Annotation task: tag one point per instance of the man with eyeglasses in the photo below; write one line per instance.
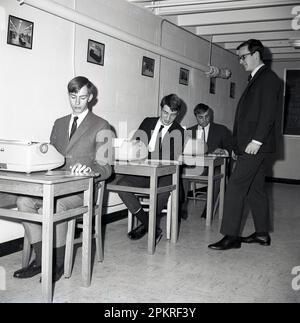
(82, 137)
(254, 142)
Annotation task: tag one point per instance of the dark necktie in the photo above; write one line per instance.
(159, 136)
(74, 127)
(203, 134)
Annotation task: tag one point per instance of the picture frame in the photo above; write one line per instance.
(232, 90)
(212, 85)
(95, 52)
(148, 66)
(184, 75)
(20, 32)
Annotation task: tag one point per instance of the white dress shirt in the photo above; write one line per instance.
(152, 143)
(200, 132)
(81, 117)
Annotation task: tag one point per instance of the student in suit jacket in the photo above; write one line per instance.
(217, 137)
(254, 141)
(164, 138)
(81, 137)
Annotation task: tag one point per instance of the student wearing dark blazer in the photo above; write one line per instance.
(164, 138)
(254, 142)
(217, 137)
(80, 137)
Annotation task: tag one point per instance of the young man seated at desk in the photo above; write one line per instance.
(218, 139)
(165, 140)
(77, 136)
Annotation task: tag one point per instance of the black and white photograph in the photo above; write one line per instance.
(149, 154)
(20, 32)
(184, 75)
(148, 66)
(95, 52)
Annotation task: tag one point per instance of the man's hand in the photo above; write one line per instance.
(221, 152)
(252, 148)
(79, 169)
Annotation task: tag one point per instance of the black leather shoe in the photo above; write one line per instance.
(264, 240)
(158, 235)
(226, 243)
(28, 272)
(137, 233)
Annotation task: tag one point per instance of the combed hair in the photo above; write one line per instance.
(201, 108)
(254, 45)
(78, 83)
(172, 101)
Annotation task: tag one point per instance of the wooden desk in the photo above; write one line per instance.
(210, 161)
(154, 169)
(49, 187)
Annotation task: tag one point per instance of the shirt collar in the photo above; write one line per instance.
(165, 127)
(80, 116)
(256, 69)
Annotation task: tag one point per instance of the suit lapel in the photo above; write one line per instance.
(254, 78)
(83, 127)
(210, 137)
(64, 135)
(250, 84)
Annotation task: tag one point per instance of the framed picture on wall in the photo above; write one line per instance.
(232, 90)
(148, 66)
(212, 85)
(184, 76)
(19, 32)
(95, 52)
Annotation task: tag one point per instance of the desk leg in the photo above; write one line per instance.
(222, 188)
(209, 202)
(47, 242)
(87, 235)
(175, 197)
(152, 212)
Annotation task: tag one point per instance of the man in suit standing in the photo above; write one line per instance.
(218, 139)
(81, 137)
(164, 138)
(254, 141)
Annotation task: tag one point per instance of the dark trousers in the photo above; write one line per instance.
(132, 202)
(246, 182)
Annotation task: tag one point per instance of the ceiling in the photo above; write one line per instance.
(229, 22)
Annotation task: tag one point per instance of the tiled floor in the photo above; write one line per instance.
(187, 271)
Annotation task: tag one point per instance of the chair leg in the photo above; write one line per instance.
(169, 217)
(26, 251)
(130, 221)
(194, 192)
(69, 248)
(98, 225)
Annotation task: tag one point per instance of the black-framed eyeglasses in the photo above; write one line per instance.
(243, 57)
